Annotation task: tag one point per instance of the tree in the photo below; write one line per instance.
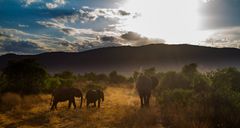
(114, 77)
(65, 75)
(190, 70)
(150, 71)
(172, 80)
(135, 75)
(227, 78)
(24, 76)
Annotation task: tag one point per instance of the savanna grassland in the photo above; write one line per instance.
(121, 109)
(182, 99)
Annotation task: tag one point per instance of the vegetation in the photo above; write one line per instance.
(188, 98)
(24, 77)
(193, 99)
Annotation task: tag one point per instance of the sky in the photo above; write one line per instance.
(37, 26)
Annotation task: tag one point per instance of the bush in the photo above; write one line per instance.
(10, 101)
(51, 84)
(228, 77)
(115, 78)
(24, 77)
(93, 86)
(226, 104)
(181, 96)
(206, 100)
(172, 80)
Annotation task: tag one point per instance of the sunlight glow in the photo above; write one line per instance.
(176, 21)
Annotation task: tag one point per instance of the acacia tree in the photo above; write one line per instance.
(24, 76)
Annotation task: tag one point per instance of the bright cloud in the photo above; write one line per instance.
(55, 4)
(29, 2)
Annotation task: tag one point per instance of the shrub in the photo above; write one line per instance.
(208, 100)
(226, 104)
(115, 78)
(228, 77)
(10, 101)
(88, 86)
(24, 77)
(173, 80)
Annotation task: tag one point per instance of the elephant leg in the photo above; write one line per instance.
(145, 100)
(74, 104)
(148, 99)
(56, 105)
(53, 106)
(94, 103)
(87, 104)
(99, 103)
(141, 99)
(69, 104)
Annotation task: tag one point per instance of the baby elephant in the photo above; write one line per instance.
(94, 95)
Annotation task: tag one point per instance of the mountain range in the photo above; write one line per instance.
(126, 59)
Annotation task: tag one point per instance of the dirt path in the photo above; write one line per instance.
(119, 110)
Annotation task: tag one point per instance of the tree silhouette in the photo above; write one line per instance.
(24, 76)
(114, 77)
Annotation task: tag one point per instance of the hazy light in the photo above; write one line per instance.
(176, 21)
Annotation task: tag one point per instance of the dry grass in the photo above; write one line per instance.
(176, 115)
(119, 110)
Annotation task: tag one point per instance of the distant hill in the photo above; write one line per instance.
(127, 58)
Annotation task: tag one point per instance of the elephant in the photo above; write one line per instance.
(94, 95)
(64, 94)
(144, 85)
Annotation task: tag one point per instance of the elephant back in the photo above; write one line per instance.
(92, 94)
(64, 93)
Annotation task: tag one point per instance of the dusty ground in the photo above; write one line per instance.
(119, 110)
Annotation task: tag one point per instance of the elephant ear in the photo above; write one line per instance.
(154, 82)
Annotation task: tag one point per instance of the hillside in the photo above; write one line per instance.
(126, 58)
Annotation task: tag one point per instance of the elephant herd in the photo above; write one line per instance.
(144, 86)
(69, 94)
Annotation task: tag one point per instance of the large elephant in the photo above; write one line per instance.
(64, 94)
(94, 95)
(144, 86)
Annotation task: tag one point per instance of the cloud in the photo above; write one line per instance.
(55, 4)
(11, 40)
(20, 47)
(86, 14)
(46, 43)
(132, 36)
(51, 5)
(29, 2)
(68, 30)
(23, 26)
(228, 37)
(108, 38)
(136, 39)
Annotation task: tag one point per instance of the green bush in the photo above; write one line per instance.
(93, 86)
(226, 104)
(181, 96)
(172, 80)
(24, 77)
(115, 78)
(192, 99)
